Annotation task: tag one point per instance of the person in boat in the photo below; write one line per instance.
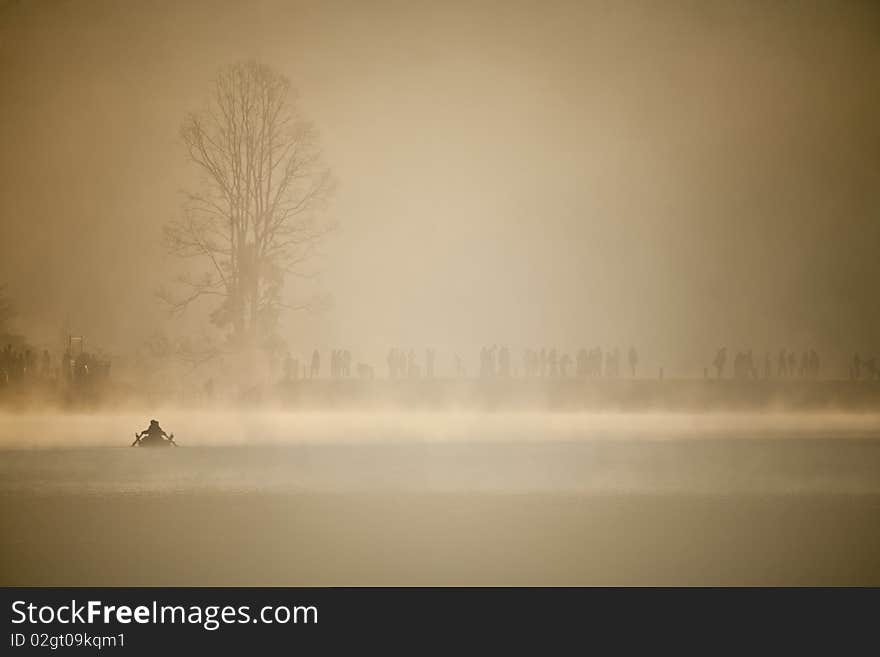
(153, 433)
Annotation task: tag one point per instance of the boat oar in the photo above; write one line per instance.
(137, 439)
(171, 440)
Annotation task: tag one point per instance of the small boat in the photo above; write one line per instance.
(146, 440)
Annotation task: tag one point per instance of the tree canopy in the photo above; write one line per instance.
(257, 217)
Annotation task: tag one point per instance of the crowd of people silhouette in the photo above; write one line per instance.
(864, 368)
(340, 363)
(496, 362)
(587, 363)
(788, 365)
(17, 365)
(402, 364)
(23, 364)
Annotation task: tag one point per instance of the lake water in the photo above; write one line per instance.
(441, 498)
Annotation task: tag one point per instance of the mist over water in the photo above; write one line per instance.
(252, 428)
(502, 452)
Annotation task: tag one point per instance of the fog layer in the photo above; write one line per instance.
(677, 175)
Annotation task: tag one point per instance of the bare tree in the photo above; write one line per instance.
(257, 217)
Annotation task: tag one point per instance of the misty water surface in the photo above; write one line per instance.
(497, 452)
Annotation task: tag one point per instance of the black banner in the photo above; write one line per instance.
(177, 620)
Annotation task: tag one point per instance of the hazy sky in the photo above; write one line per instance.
(678, 175)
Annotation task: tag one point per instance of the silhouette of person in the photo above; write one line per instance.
(504, 362)
(429, 363)
(316, 364)
(392, 363)
(564, 362)
(401, 363)
(633, 361)
(153, 433)
(720, 360)
(412, 369)
(580, 363)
